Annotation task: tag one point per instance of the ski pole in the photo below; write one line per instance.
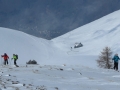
(1, 60)
(9, 61)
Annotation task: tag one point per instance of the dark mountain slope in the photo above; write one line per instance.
(51, 18)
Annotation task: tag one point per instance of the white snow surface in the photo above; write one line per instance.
(60, 67)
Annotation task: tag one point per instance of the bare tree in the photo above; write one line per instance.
(105, 59)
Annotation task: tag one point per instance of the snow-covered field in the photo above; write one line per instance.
(54, 77)
(60, 67)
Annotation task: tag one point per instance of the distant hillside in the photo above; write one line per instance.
(51, 18)
(94, 36)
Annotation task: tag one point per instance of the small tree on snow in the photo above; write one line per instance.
(105, 59)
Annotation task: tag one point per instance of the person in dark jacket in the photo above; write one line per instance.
(6, 57)
(116, 59)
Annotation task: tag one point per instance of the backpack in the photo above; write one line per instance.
(16, 56)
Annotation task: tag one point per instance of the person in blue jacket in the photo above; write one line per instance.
(116, 58)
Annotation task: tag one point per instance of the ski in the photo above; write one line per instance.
(16, 65)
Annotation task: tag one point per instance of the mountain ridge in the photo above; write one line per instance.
(49, 19)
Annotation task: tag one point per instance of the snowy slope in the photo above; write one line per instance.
(32, 48)
(60, 67)
(94, 36)
(26, 46)
(52, 77)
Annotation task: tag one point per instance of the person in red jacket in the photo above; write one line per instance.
(6, 57)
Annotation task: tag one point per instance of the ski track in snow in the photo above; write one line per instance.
(51, 77)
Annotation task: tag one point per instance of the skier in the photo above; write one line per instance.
(15, 57)
(6, 57)
(116, 58)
